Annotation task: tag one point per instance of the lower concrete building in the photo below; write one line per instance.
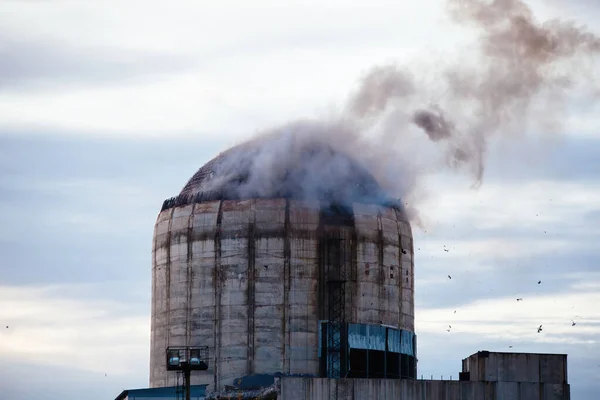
(485, 376)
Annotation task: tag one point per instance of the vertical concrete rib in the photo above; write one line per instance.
(251, 298)
(168, 287)
(190, 243)
(286, 289)
(217, 291)
(382, 306)
(354, 289)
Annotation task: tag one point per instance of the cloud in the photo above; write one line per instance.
(23, 381)
(47, 65)
(82, 210)
(505, 319)
(49, 325)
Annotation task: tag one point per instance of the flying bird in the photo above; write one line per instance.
(539, 282)
(539, 329)
(449, 277)
(573, 323)
(520, 299)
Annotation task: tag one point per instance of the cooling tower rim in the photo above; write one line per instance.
(202, 197)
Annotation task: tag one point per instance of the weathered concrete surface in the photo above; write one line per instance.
(381, 389)
(246, 278)
(516, 367)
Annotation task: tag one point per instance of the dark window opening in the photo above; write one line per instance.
(350, 362)
(324, 350)
(358, 363)
(376, 364)
(408, 367)
(337, 214)
(392, 364)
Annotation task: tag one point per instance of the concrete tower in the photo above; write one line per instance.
(303, 268)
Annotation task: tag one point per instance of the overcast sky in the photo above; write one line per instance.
(108, 107)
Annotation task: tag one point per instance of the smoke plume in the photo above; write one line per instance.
(519, 67)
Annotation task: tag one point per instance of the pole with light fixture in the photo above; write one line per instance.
(186, 360)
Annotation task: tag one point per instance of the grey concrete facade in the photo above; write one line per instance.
(246, 278)
(387, 389)
(516, 367)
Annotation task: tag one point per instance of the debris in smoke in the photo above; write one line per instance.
(434, 123)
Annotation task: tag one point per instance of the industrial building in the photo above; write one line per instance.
(297, 281)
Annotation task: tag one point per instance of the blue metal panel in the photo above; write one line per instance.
(376, 337)
(406, 343)
(366, 337)
(393, 341)
(197, 392)
(357, 336)
(333, 359)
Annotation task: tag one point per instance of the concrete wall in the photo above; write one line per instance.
(517, 367)
(245, 278)
(381, 389)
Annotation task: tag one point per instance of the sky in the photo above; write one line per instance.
(108, 107)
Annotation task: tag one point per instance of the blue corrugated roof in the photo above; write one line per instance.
(197, 392)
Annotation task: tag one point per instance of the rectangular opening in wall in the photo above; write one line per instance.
(358, 363)
(334, 259)
(393, 365)
(408, 367)
(337, 214)
(323, 349)
(376, 364)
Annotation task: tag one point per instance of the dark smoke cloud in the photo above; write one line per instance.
(434, 123)
(520, 77)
